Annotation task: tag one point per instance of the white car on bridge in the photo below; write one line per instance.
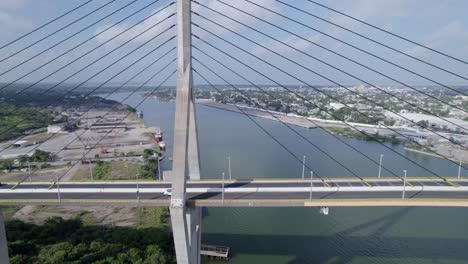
(168, 192)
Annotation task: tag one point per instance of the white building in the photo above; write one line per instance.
(20, 144)
(434, 121)
(336, 106)
(53, 129)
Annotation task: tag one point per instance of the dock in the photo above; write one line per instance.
(215, 252)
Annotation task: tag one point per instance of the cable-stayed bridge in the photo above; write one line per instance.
(195, 26)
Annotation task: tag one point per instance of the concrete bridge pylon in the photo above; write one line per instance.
(186, 221)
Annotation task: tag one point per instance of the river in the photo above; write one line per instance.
(302, 235)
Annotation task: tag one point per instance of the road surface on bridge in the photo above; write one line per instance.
(240, 192)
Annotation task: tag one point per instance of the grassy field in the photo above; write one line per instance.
(9, 211)
(152, 216)
(117, 170)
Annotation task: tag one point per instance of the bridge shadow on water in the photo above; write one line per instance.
(343, 246)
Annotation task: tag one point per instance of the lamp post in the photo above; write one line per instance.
(222, 189)
(404, 185)
(311, 179)
(159, 169)
(29, 171)
(90, 170)
(138, 188)
(459, 169)
(58, 188)
(229, 167)
(303, 166)
(380, 165)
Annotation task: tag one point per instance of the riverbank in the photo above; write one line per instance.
(464, 161)
(367, 137)
(270, 115)
(373, 133)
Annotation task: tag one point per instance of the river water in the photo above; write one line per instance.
(302, 235)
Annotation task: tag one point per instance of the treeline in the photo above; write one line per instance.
(61, 241)
(20, 96)
(149, 169)
(17, 120)
(21, 161)
(21, 113)
(364, 136)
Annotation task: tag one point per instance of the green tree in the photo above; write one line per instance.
(275, 105)
(423, 124)
(147, 153)
(23, 159)
(7, 164)
(154, 255)
(69, 241)
(40, 156)
(20, 259)
(55, 254)
(101, 169)
(149, 169)
(20, 247)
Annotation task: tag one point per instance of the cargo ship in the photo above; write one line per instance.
(158, 136)
(162, 146)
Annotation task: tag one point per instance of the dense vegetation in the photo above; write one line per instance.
(26, 111)
(150, 167)
(69, 241)
(368, 137)
(104, 169)
(149, 170)
(38, 156)
(101, 169)
(15, 120)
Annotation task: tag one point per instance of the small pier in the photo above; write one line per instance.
(215, 252)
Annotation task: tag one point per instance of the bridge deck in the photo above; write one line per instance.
(339, 192)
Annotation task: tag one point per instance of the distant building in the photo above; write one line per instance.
(20, 144)
(463, 97)
(139, 114)
(363, 107)
(53, 129)
(451, 124)
(110, 126)
(458, 114)
(336, 106)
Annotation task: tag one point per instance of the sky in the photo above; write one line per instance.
(293, 56)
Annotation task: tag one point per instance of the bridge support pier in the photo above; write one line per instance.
(186, 229)
(3, 241)
(186, 220)
(193, 216)
(193, 151)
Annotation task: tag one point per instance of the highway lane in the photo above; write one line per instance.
(244, 183)
(238, 193)
(242, 195)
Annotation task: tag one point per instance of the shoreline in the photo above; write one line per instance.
(433, 155)
(305, 122)
(291, 120)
